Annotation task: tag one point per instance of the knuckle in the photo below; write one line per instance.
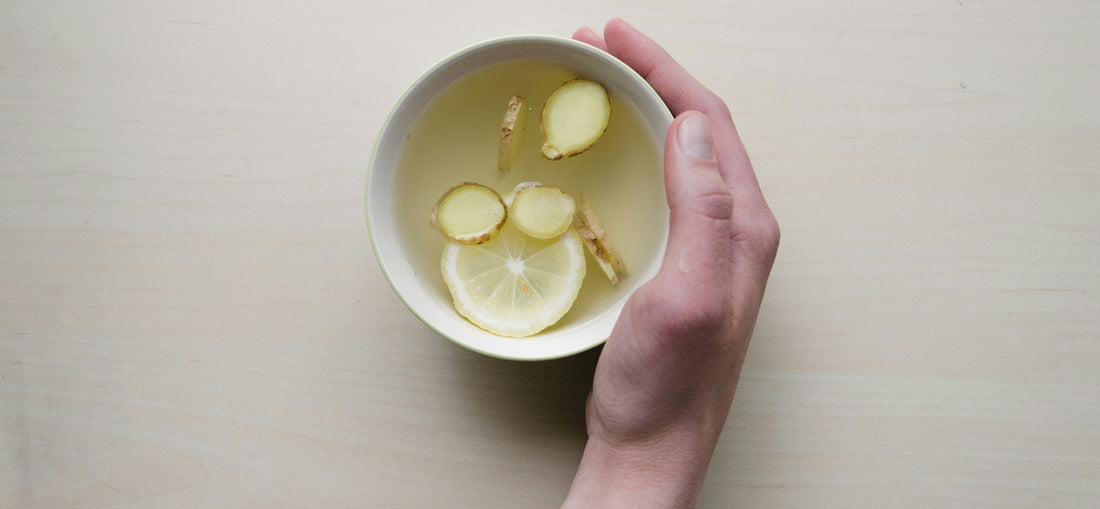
(759, 238)
(765, 235)
(712, 105)
(715, 203)
(719, 107)
(688, 316)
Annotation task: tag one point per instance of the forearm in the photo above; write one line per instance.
(665, 473)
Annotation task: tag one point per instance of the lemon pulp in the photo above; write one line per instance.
(514, 285)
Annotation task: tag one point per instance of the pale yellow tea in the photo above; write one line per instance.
(456, 139)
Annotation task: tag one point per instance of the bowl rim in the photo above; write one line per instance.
(445, 63)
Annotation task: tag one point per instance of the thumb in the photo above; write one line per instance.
(700, 203)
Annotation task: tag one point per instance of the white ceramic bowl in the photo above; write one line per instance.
(423, 297)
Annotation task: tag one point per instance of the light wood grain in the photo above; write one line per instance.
(191, 315)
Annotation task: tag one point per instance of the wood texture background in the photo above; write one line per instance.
(191, 315)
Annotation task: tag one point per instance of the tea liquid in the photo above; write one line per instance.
(456, 137)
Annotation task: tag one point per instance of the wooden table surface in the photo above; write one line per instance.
(191, 314)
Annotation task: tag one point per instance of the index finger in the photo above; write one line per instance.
(590, 37)
(682, 92)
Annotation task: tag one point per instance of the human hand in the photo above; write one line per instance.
(667, 375)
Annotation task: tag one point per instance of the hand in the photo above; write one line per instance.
(667, 375)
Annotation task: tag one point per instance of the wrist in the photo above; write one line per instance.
(665, 471)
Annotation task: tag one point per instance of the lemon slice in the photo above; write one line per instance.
(515, 285)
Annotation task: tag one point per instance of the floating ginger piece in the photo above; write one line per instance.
(595, 238)
(574, 118)
(469, 213)
(508, 198)
(542, 212)
(511, 132)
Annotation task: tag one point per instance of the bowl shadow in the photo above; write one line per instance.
(540, 403)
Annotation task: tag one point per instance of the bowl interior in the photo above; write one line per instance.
(420, 289)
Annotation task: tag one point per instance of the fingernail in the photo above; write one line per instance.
(694, 137)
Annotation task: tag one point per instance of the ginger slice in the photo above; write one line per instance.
(469, 213)
(574, 118)
(595, 238)
(508, 198)
(542, 212)
(511, 132)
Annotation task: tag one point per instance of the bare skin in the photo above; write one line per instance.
(667, 376)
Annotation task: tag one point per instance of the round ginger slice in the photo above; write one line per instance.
(469, 213)
(574, 118)
(542, 212)
(519, 187)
